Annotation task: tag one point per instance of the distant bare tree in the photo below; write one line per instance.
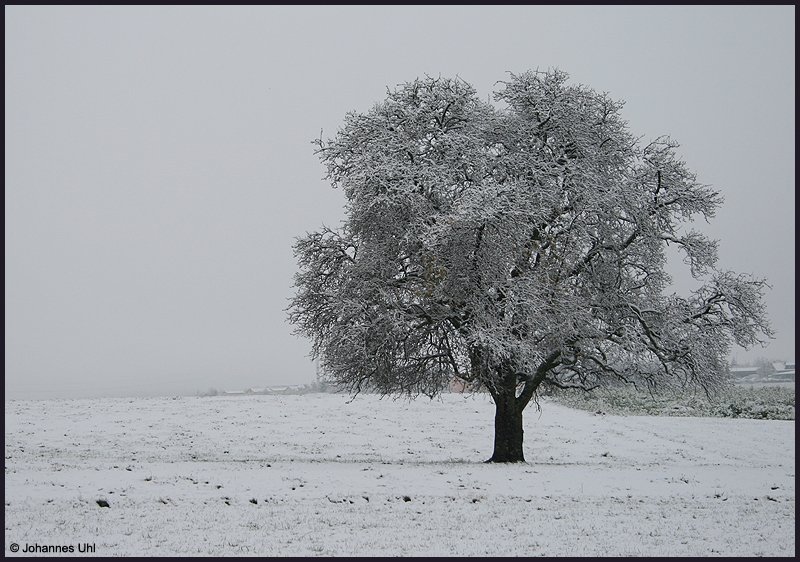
(764, 366)
(512, 248)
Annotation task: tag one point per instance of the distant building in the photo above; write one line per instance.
(782, 371)
(457, 385)
(785, 372)
(739, 372)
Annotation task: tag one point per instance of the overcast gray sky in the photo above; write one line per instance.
(159, 162)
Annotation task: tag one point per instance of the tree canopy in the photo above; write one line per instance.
(514, 246)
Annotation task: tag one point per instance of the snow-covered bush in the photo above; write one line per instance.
(771, 403)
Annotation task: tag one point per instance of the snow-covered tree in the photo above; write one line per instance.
(513, 248)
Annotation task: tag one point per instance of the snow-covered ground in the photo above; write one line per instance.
(322, 475)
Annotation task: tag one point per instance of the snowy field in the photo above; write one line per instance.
(320, 475)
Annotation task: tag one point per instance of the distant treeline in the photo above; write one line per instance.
(314, 387)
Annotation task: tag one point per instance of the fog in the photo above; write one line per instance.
(159, 162)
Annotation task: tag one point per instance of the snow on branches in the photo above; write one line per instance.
(512, 248)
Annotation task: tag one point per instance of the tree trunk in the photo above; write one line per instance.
(507, 430)
(509, 407)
